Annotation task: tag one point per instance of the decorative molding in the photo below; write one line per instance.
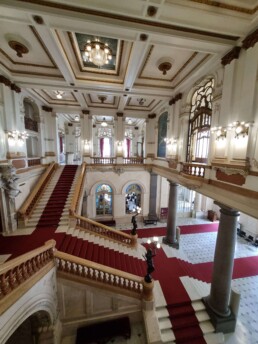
(38, 19)
(8, 83)
(143, 37)
(147, 22)
(47, 108)
(86, 112)
(229, 171)
(175, 99)
(152, 11)
(230, 56)
(18, 47)
(250, 40)
(50, 154)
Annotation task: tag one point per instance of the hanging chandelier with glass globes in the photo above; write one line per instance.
(97, 52)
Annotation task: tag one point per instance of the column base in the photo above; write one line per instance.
(171, 244)
(225, 324)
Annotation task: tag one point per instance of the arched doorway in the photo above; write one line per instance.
(31, 330)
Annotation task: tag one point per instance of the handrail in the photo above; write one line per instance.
(26, 209)
(78, 190)
(194, 169)
(89, 270)
(105, 231)
(19, 274)
(133, 160)
(104, 161)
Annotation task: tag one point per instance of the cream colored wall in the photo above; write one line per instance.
(118, 182)
(26, 183)
(81, 304)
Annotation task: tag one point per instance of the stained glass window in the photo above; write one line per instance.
(132, 198)
(162, 133)
(199, 123)
(104, 200)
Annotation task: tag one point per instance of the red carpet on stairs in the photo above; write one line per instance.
(53, 210)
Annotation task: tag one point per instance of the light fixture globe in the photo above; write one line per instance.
(97, 52)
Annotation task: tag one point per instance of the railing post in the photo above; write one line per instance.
(147, 290)
(134, 240)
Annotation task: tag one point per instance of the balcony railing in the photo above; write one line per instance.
(33, 161)
(134, 161)
(104, 161)
(193, 169)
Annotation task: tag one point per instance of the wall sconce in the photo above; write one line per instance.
(119, 145)
(86, 144)
(241, 129)
(221, 133)
(15, 136)
(168, 141)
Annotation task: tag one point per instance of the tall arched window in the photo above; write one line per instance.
(132, 198)
(200, 123)
(31, 120)
(162, 133)
(104, 200)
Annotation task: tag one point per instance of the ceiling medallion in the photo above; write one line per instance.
(102, 99)
(59, 94)
(164, 67)
(19, 48)
(141, 101)
(97, 52)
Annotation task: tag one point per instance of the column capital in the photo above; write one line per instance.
(224, 209)
(171, 182)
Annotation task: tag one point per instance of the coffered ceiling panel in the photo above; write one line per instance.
(158, 48)
(22, 51)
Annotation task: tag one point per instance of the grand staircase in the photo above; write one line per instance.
(186, 322)
(52, 210)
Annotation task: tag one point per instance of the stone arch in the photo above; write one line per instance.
(31, 109)
(108, 182)
(43, 302)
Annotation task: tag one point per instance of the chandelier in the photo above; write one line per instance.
(104, 123)
(97, 52)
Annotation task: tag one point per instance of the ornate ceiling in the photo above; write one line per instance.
(187, 36)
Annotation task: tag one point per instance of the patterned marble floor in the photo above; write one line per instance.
(199, 248)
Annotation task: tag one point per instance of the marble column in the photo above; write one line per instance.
(218, 301)
(153, 195)
(171, 237)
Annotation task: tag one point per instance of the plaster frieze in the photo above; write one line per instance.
(250, 40)
(229, 171)
(230, 56)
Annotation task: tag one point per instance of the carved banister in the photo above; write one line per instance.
(9, 265)
(27, 207)
(81, 268)
(78, 190)
(194, 169)
(105, 231)
(19, 274)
